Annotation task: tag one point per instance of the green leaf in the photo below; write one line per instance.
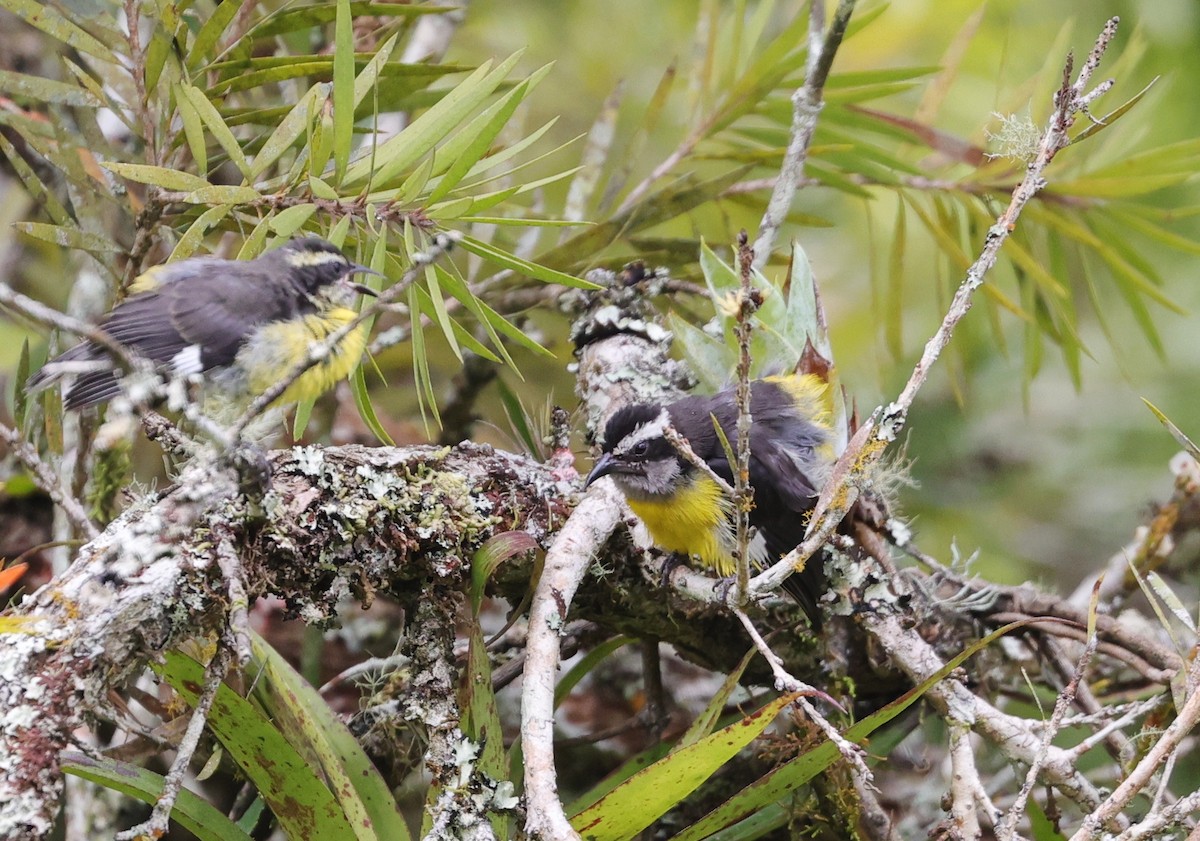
(1097, 126)
(518, 418)
(51, 20)
(511, 261)
(481, 716)
(439, 308)
(68, 237)
(424, 383)
(303, 416)
(288, 131)
(22, 86)
(420, 137)
(704, 723)
(20, 395)
(366, 411)
(305, 17)
(193, 130)
(216, 126)
(781, 782)
(303, 718)
(222, 195)
(1176, 433)
(585, 665)
(33, 184)
(167, 179)
(491, 320)
(191, 812)
(343, 88)
(190, 241)
(666, 204)
(470, 144)
(643, 798)
(487, 559)
(162, 44)
(211, 32)
(367, 79)
(287, 222)
(303, 805)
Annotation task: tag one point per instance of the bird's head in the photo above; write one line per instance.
(638, 456)
(319, 268)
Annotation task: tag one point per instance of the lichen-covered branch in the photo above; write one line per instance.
(337, 521)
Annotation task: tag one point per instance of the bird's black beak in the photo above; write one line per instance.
(362, 288)
(604, 465)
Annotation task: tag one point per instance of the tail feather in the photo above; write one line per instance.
(90, 389)
(806, 586)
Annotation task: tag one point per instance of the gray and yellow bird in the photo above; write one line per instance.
(686, 512)
(242, 326)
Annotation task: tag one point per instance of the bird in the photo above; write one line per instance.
(240, 325)
(688, 513)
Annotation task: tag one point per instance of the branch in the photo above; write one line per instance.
(886, 423)
(580, 540)
(44, 478)
(152, 578)
(807, 103)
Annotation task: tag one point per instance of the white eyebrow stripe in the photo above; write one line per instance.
(647, 431)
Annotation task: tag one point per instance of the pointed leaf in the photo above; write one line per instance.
(191, 812)
(343, 88)
(303, 805)
(644, 797)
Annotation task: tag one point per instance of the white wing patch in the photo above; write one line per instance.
(187, 361)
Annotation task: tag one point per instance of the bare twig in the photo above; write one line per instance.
(1114, 806)
(785, 682)
(807, 103)
(159, 822)
(45, 478)
(743, 493)
(137, 70)
(1008, 825)
(886, 423)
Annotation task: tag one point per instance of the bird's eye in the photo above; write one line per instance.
(640, 448)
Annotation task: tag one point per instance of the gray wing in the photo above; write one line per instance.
(217, 313)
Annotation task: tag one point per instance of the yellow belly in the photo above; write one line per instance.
(278, 348)
(694, 521)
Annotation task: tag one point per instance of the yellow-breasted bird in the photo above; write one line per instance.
(242, 325)
(687, 512)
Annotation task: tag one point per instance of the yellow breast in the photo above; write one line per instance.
(276, 349)
(693, 521)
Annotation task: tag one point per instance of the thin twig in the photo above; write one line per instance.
(785, 682)
(1008, 824)
(1141, 776)
(45, 478)
(807, 103)
(886, 423)
(137, 70)
(159, 822)
(743, 493)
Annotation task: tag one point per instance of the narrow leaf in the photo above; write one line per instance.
(343, 88)
(194, 814)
